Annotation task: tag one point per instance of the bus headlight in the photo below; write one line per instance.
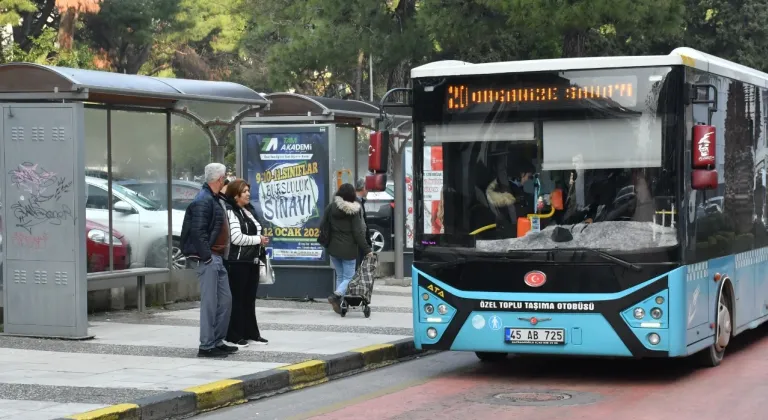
(654, 339)
(428, 308)
(431, 333)
(656, 313)
(442, 309)
(639, 313)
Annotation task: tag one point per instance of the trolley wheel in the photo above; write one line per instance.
(490, 357)
(344, 312)
(367, 311)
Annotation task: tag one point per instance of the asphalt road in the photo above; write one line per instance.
(458, 386)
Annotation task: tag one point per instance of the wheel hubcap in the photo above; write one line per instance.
(377, 239)
(179, 260)
(723, 326)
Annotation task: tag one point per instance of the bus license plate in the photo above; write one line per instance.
(534, 336)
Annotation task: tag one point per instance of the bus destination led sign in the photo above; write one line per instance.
(621, 91)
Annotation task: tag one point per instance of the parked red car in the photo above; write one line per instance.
(97, 247)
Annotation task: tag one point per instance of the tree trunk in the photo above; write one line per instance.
(32, 24)
(574, 43)
(67, 28)
(128, 59)
(359, 75)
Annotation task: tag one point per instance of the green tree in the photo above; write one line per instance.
(35, 37)
(323, 46)
(28, 18)
(44, 50)
(11, 11)
(474, 31)
(126, 30)
(730, 29)
(579, 28)
(208, 45)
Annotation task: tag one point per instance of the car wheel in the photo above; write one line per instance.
(157, 256)
(378, 241)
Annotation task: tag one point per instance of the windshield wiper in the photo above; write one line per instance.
(606, 256)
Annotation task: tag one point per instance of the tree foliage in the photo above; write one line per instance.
(125, 30)
(731, 29)
(327, 47)
(11, 11)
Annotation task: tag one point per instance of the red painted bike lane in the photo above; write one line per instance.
(597, 389)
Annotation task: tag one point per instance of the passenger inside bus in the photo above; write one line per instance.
(507, 193)
(510, 187)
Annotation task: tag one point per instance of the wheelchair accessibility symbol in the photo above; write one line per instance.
(494, 322)
(268, 251)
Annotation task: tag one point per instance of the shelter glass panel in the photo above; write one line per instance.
(139, 191)
(97, 236)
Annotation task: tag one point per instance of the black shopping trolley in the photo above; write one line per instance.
(360, 288)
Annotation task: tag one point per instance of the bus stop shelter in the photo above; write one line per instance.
(60, 236)
(295, 155)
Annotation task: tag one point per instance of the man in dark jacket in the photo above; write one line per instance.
(204, 241)
(362, 193)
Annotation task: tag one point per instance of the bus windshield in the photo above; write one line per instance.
(575, 159)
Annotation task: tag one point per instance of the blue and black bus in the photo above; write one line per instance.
(610, 206)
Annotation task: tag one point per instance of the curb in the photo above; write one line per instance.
(233, 391)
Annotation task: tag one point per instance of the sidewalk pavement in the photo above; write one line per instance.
(136, 356)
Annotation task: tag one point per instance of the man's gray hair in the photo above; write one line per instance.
(214, 171)
(360, 184)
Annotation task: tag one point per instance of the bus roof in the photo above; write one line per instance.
(679, 56)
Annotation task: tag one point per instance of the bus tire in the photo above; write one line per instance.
(713, 355)
(490, 357)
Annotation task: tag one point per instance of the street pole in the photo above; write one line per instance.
(396, 147)
(399, 177)
(370, 73)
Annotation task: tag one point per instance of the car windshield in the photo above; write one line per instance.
(548, 176)
(138, 198)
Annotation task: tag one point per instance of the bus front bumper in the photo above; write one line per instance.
(553, 324)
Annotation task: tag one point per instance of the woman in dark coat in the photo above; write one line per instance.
(345, 217)
(242, 263)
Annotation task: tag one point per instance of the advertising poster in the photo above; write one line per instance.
(433, 186)
(288, 172)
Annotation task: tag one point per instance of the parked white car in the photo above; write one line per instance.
(140, 219)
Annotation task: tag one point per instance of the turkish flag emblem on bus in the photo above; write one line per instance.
(535, 278)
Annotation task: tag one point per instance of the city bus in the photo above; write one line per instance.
(605, 206)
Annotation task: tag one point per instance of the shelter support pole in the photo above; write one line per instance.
(217, 153)
(169, 188)
(399, 174)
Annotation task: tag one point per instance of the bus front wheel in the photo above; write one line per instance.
(713, 355)
(490, 357)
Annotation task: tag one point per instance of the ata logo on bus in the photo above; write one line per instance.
(535, 278)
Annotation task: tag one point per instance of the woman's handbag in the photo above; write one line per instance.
(266, 273)
(324, 238)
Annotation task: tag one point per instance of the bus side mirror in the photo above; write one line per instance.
(376, 182)
(702, 179)
(378, 152)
